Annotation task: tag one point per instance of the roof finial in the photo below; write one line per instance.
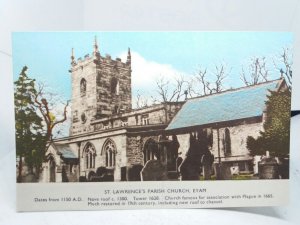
(129, 56)
(281, 73)
(96, 45)
(96, 52)
(73, 62)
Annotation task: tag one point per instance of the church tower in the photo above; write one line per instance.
(101, 87)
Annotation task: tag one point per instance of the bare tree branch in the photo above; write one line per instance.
(50, 120)
(284, 65)
(168, 91)
(141, 101)
(257, 72)
(220, 75)
(200, 77)
(208, 86)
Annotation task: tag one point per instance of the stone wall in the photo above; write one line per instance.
(134, 151)
(171, 110)
(100, 158)
(152, 115)
(238, 136)
(83, 105)
(135, 147)
(113, 83)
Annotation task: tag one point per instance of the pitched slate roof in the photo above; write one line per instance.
(229, 105)
(65, 151)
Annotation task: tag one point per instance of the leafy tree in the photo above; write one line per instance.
(35, 122)
(276, 135)
(29, 129)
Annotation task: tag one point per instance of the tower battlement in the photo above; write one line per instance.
(81, 61)
(98, 59)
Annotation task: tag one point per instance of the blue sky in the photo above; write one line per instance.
(47, 54)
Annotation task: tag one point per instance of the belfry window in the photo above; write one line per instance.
(82, 87)
(115, 86)
(110, 153)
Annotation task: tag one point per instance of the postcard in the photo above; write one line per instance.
(127, 120)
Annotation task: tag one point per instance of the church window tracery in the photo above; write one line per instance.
(110, 153)
(90, 156)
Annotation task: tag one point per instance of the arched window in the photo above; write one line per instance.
(115, 86)
(227, 142)
(109, 148)
(90, 155)
(83, 87)
(150, 150)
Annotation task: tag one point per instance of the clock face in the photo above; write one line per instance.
(83, 118)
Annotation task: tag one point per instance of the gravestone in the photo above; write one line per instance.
(134, 172)
(268, 168)
(207, 161)
(95, 179)
(107, 178)
(154, 170)
(82, 179)
(101, 171)
(91, 175)
(172, 153)
(29, 178)
(104, 178)
(283, 168)
(223, 171)
(190, 168)
(64, 174)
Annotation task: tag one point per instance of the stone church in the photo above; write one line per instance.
(110, 139)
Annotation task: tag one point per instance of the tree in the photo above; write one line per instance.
(257, 72)
(284, 65)
(29, 129)
(168, 92)
(276, 135)
(45, 108)
(35, 122)
(180, 88)
(201, 85)
(140, 101)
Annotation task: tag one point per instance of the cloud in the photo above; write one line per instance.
(145, 73)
